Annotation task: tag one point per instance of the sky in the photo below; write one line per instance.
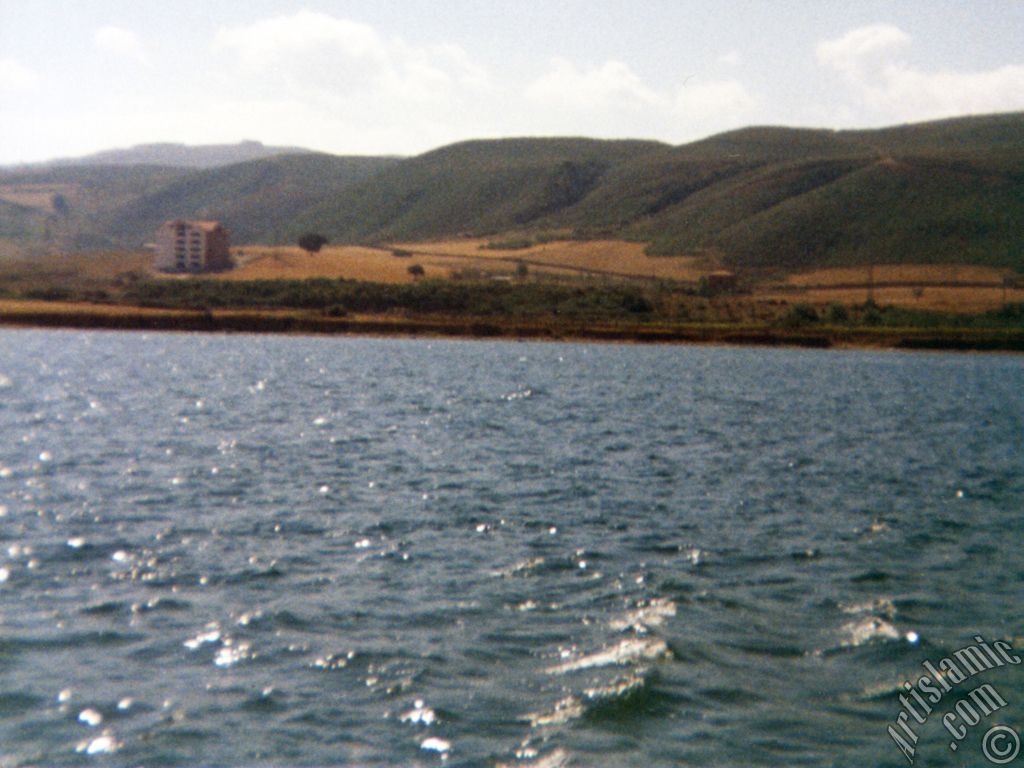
(400, 77)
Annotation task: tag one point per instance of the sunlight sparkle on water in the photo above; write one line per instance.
(90, 717)
(232, 653)
(211, 636)
(434, 744)
(419, 714)
(105, 744)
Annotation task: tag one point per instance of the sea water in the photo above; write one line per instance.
(242, 550)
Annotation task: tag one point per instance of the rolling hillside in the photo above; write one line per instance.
(258, 200)
(764, 198)
(757, 198)
(475, 187)
(950, 192)
(121, 206)
(62, 208)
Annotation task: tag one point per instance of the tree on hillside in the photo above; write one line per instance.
(416, 270)
(60, 205)
(312, 242)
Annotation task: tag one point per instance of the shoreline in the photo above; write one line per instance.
(45, 314)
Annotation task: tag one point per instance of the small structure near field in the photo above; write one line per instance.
(192, 246)
(721, 281)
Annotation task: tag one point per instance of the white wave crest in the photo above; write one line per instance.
(569, 708)
(868, 629)
(882, 606)
(559, 758)
(628, 651)
(651, 613)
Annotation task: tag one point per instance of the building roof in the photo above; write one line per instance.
(207, 226)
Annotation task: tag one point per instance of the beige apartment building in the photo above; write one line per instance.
(192, 246)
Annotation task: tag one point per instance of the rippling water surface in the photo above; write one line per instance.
(301, 551)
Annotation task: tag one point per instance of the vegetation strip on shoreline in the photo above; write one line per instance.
(109, 317)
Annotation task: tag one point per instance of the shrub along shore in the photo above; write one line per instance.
(623, 312)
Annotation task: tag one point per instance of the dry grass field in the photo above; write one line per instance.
(955, 300)
(932, 287)
(73, 269)
(16, 307)
(961, 289)
(612, 258)
(910, 274)
(945, 288)
(38, 196)
(10, 249)
(281, 262)
(452, 258)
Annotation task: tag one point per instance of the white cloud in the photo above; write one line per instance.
(859, 50)
(317, 80)
(333, 83)
(327, 58)
(120, 42)
(712, 99)
(730, 59)
(273, 41)
(909, 94)
(15, 76)
(363, 87)
(613, 85)
(612, 100)
(896, 90)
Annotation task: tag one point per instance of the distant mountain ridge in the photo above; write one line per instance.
(950, 191)
(180, 155)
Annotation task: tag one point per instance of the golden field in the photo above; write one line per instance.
(450, 258)
(598, 258)
(72, 269)
(943, 288)
(38, 196)
(10, 249)
(911, 274)
(950, 288)
(960, 300)
(282, 262)
(13, 308)
(947, 288)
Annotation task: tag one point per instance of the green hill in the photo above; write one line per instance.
(948, 191)
(20, 222)
(474, 187)
(258, 200)
(913, 209)
(759, 198)
(122, 205)
(62, 208)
